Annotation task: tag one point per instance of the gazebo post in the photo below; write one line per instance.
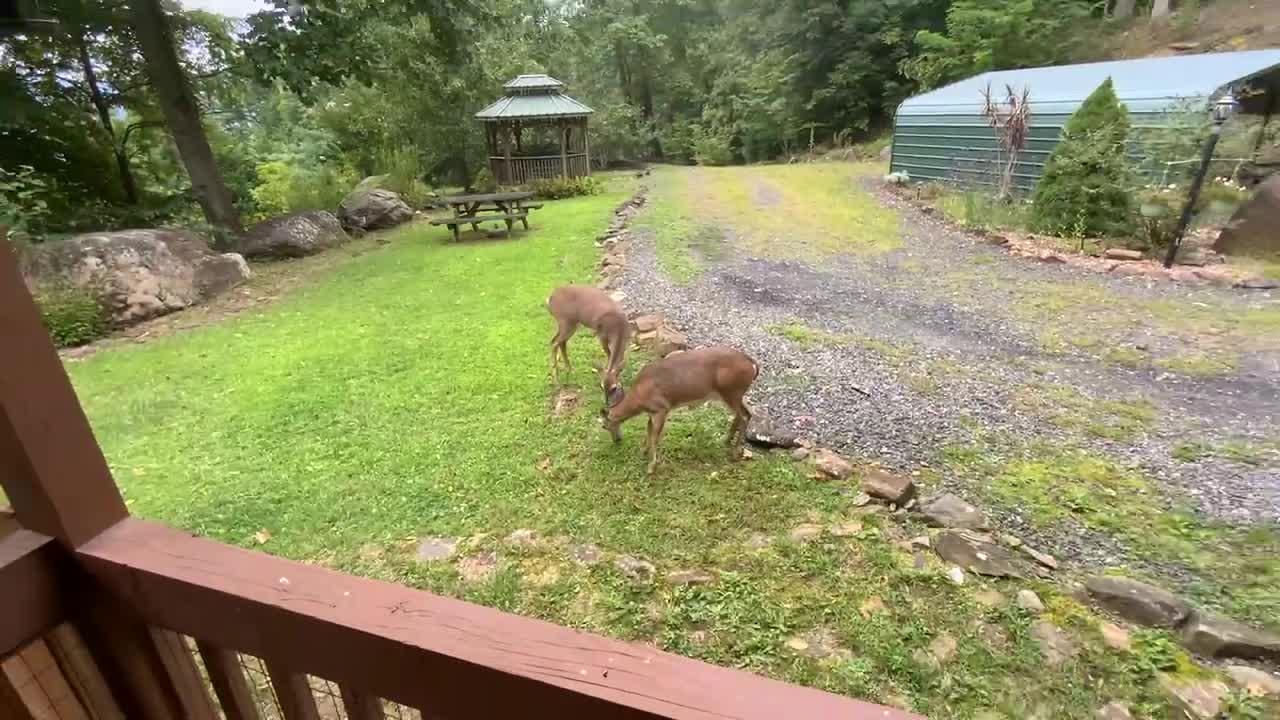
(564, 151)
(586, 145)
(506, 161)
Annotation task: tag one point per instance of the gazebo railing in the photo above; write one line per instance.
(523, 169)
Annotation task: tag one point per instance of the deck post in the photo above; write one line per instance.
(58, 482)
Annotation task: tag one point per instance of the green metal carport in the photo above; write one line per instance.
(942, 135)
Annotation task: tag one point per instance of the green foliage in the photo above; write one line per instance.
(678, 141)
(618, 134)
(560, 188)
(485, 181)
(73, 316)
(284, 188)
(712, 148)
(986, 35)
(1085, 190)
(24, 207)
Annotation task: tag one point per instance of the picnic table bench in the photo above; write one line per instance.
(476, 208)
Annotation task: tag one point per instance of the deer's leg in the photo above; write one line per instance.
(737, 428)
(656, 423)
(559, 344)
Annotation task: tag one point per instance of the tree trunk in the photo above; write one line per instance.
(127, 182)
(1160, 8)
(1123, 9)
(182, 114)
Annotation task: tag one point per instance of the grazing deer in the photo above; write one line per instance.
(574, 305)
(685, 378)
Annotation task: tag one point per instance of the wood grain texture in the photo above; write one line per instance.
(33, 588)
(455, 659)
(229, 682)
(50, 464)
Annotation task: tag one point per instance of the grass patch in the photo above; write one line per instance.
(806, 210)
(668, 219)
(1237, 570)
(978, 209)
(1242, 452)
(1120, 420)
(809, 338)
(1204, 365)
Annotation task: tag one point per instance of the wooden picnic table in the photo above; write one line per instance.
(476, 208)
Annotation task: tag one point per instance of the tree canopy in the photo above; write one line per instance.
(300, 101)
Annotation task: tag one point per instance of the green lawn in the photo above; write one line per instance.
(406, 394)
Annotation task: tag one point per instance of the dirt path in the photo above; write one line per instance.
(947, 341)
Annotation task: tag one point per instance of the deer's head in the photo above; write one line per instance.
(613, 396)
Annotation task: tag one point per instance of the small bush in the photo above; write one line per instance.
(712, 148)
(485, 181)
(560, 188)
(71, 315)
(284, 188)
(1086, 185)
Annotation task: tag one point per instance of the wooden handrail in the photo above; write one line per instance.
(448, 657)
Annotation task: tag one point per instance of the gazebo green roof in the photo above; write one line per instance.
(533, 97)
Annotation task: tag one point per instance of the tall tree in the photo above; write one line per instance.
(181, 111)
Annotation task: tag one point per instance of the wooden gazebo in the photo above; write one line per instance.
(536, 131)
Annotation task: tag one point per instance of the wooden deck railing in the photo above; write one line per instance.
(167, 620)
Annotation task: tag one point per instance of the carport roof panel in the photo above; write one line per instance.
(1143, 85)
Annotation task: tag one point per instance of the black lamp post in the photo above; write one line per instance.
(1223, 109)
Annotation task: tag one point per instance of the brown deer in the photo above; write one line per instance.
(682, 379)
(575, 305)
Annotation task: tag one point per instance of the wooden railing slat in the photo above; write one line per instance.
(229, 683)
(82, 673)
(12, 706)
(360, 705)
(50, 464)
(185, 676)
(297, 702)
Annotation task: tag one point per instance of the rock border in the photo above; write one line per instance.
(1114, 261)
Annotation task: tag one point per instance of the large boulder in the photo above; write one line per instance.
(294, 235)
(1252, 229)
(376, 209)
(138, 274)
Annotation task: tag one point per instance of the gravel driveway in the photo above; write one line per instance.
(934, 353)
